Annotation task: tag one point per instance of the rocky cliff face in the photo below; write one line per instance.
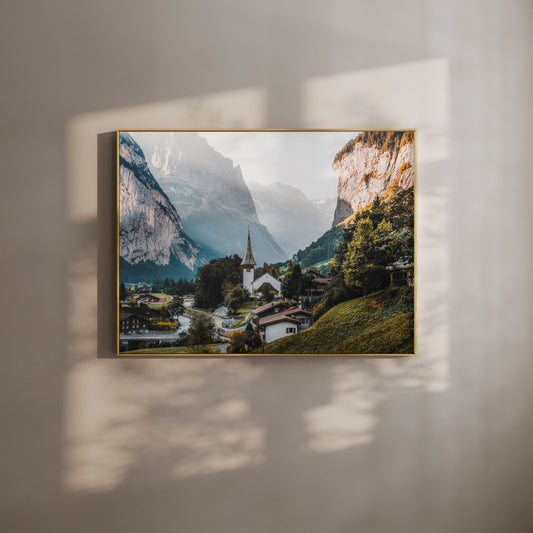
(209, 193)
(373, 164)
(152, 238)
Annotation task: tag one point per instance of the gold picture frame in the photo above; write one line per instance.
(387, 320)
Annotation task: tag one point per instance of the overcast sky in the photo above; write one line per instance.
(300, 159)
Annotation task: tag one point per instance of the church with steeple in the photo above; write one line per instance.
(248, 273)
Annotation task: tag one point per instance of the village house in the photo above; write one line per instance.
(315, 293)
(303, 316)
(271, 308)
(402, 274)
(275, 326)
(147, 314)
(144, 288)
(130, 323)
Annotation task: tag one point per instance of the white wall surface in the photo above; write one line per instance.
(274, 332)
(436, 443)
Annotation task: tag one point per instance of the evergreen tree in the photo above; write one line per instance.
(369, 251)
(157, 285)
(123, 292)
(200, 331)
(252, 339)
(236, 298)
(292, 281)
(376, 212)
(400, 210)
(176, 307)
(211, 279)
(237, 343)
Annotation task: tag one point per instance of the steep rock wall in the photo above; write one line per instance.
(371, 165)
(209, 192)
(150, 227)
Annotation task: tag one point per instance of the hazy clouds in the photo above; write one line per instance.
(300, 159)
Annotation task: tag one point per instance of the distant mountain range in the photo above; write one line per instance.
(293, 219)
(209, 193)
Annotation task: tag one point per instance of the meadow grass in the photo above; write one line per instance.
(381, 323)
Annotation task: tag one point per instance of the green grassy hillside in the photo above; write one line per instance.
(381, 323)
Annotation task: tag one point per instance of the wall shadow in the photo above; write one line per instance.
(106, 248)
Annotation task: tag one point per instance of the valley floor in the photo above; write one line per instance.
(380, 324)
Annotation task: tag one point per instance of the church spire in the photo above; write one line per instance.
(249, 260)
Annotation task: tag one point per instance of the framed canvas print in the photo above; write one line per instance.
(270, 242)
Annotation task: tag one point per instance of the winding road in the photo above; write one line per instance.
(218, 320)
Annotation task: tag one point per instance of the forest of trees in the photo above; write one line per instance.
(217, 280)
(173, 287)
(320, 250)
(377, 237)
(220, 282)
(296, 283)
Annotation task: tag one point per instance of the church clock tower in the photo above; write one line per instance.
(248, 264)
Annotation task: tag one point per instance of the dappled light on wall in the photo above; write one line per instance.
(413, 95)
(136, 421)
(121, 416)
(157, 419)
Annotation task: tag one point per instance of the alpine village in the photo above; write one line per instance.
(199, 273)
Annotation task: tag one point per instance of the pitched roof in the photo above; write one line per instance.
(267, 307)
(278, 317)
(399, 265)
(143, 312)
(249, 257)
(125, 316)
(295, 311)
(317, 274)
(267, 275)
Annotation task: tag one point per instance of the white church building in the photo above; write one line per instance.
(248, 274)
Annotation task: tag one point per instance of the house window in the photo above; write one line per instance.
(400, 277)
(291, 330)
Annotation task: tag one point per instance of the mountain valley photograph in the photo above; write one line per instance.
(266, 242)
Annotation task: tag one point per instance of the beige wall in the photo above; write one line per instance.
(439, 443)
